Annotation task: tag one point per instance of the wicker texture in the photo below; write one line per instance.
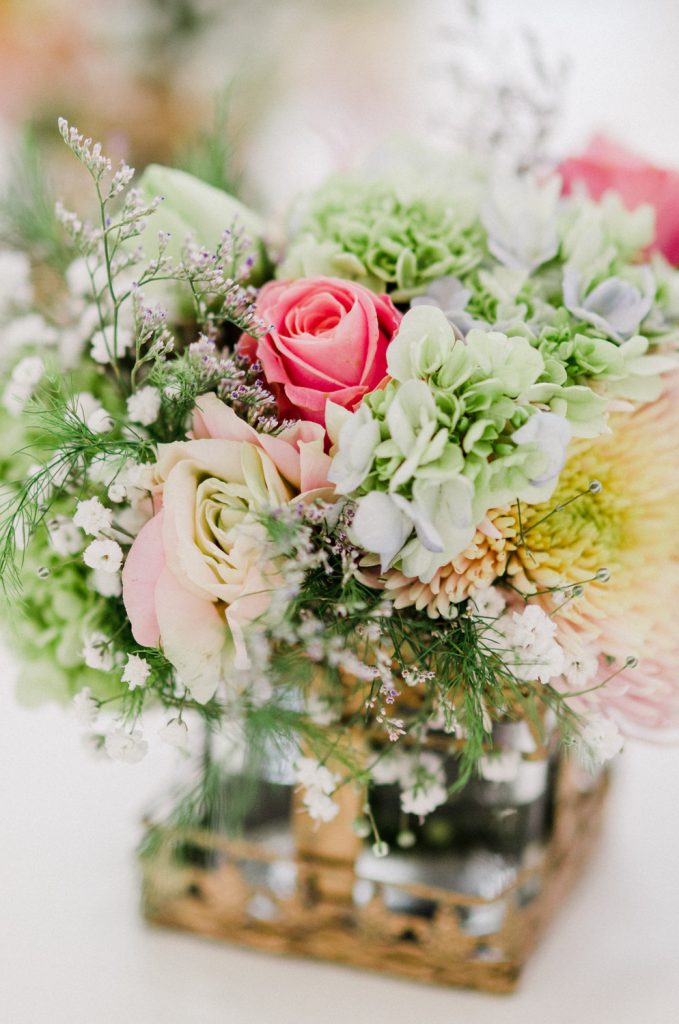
(227, 894)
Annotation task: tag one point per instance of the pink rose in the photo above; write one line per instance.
(606, 166)
(328, 339)
(198, 571)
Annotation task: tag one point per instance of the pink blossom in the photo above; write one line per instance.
(605, 166)
(328, 340)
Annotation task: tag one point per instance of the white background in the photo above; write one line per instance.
(73, 949)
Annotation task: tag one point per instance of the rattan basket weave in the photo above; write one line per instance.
(232, 890)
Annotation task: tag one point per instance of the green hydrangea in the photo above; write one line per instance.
(462, 427)
(53, 615)
(53, 618)
(367, 232)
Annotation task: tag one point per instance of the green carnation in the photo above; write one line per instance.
(366, 232)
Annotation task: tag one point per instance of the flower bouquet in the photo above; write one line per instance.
(375, 521)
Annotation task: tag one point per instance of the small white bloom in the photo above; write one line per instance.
(423, 799)
(580, 668)
(79, 280)
(97, 652)
(92, 413)
(26, 376)
(395, 766)
(500, 767)
(380, 526)
(531, 627)
(105, 347)
(64, 536)
(310, 774)
(175, 733)
(533, 651)
(16, 290)
(423, 784)
(92, 517)
(107, 584)
(106, 555)
(104, 469)
(318, 782)
(125, 745)
(319, 806)
(15, 397)
(136, 478)
(100, 421)
(117, 493)
(144, 405)
(488, 603)
(598, 742)
(136, 671)
(29, 371)
(27, 330)
(85, 707)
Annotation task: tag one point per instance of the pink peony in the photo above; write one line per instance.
(328, 339)
(606, 166)
(198, 570)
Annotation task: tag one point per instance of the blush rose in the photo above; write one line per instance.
(328, 340)
(198, 572)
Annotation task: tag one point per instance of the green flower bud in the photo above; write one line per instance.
(193, 208)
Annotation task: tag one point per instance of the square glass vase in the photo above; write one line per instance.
(462, 898)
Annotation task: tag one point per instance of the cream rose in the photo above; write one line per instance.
(197, 571)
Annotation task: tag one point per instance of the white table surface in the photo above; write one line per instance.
(74, 950)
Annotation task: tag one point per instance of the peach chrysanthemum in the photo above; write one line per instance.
(474, 569)
(631, 529)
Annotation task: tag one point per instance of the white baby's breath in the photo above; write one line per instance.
(26, 376)
(175, 733)
(107, 584)
(136, 671)
(64, 536)
(599, 740)
(92, 517)
(85, 708)
(128, 746)
(117, 493)
(107, 346)
(106, 555)
(144, 405)
(16, 290)
(97, 653)
(318, 783)
(502, 766)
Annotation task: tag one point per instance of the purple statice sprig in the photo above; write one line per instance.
(218, 282)
(204, 368)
